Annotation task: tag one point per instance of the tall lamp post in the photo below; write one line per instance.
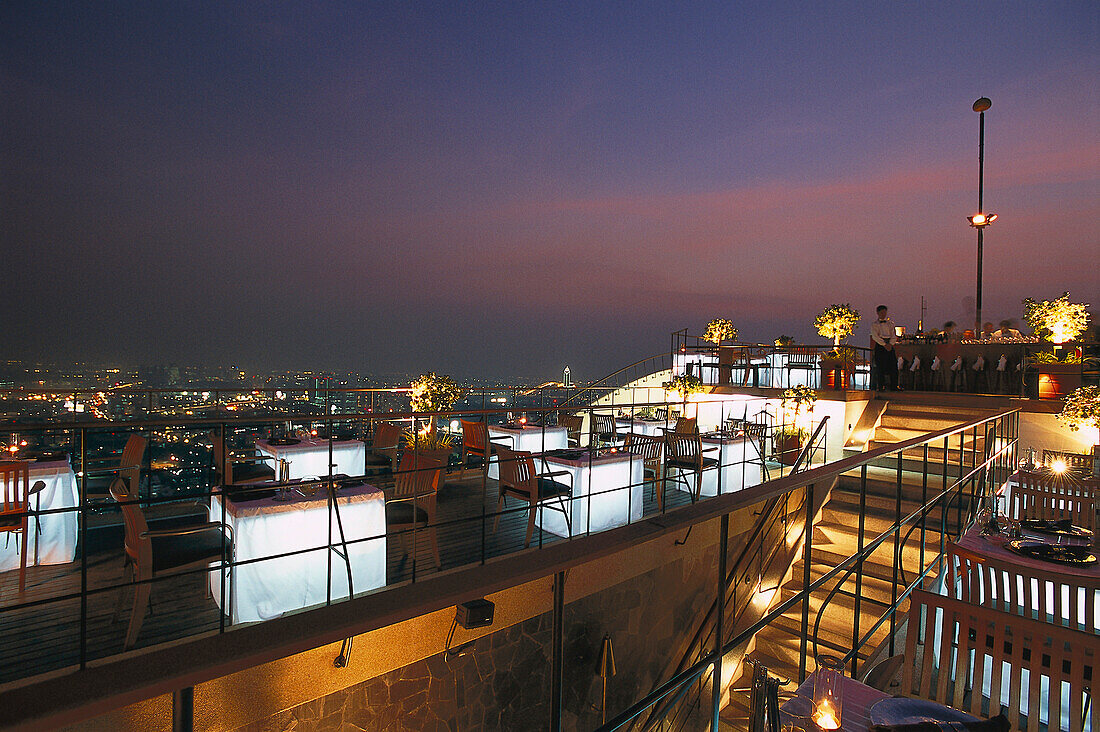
(981, 219)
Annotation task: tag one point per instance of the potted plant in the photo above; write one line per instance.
(784, 341)
(1057, 321)
(837, 367)
(718, 330)
(682, 386)
(433, 444)
(837, 322)
(797, 405)
(431, 393)
(1082, 409)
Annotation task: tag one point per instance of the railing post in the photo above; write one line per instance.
(859, 562)
(183, 709)
(897, 552)
(556, 652)
(716, 675)
(83, 547)
(807, 558)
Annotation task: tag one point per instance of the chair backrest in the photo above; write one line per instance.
(603, 424)
(475, 436)
(661, 414)
(685, 447)
(1056, 597)
(647, 447)
(801, 357)
(137, 548)
(220, 467)
(973, 654)
(572, 424)
(517, 470)
(1040, 496)
(686, 425)
(132, 455)
(387, 436)
(417, 476)
(14, 484)
(1080, 463)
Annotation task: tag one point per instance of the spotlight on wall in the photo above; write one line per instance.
(473, 614)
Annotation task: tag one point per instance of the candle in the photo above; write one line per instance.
(826, 718)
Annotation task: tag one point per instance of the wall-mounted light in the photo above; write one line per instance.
(473, 614)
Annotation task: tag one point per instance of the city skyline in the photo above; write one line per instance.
(420, 187)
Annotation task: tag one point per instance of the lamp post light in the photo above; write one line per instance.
(981, 219)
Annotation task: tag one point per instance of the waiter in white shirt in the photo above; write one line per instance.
(886, 361)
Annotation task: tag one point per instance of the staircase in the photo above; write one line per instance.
(836, 537)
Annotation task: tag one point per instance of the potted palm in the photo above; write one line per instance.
(1082, 409)
(1057, 321)
(431, 393)
(837, 322)
(797, 405)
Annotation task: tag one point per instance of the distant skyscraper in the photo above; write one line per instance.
(565, 378)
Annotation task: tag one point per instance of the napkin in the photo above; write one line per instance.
(996, 724)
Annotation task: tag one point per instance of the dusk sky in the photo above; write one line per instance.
(503, 189)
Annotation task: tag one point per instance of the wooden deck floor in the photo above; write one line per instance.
(46, 637)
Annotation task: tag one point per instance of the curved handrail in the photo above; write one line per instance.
(613, 374)
(807, 449)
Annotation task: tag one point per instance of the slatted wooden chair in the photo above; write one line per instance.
(1063, 598)
(974, 658)
(520, 479)
(127, 466)
(801, 358)
(1042, 496)
(411, 503)
(15, 509)
(573, 424)
(381, 455)
(156, 553)
(685, 453)
(604, 430)
(651, 450)
(475, 444)
(232, 468)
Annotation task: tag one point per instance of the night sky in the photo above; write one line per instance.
(506, 189)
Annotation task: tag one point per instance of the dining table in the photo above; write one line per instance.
(739, 465)
(607, 490)
(309, 458)
(644, 426)
(855, 711)
(526, 437)
(53, 534)
(295, 520)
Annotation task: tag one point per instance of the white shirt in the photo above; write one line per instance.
(882, 333)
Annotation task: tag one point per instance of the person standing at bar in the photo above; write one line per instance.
(884, 337)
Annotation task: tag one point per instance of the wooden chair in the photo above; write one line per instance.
(381, 455)
(685, 453)
(800, 358)
(1051, 596)
(686, 426)
(519, 479)
(1040, 496)
(156, 553)
(15, 509)
(232, 468)
(412, 505)
(128, 467)
(650, 449)
(604, 430)
(968, 648)
(475, 444)
(573, 424)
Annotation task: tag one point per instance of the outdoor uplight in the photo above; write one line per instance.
(1059, 466)
(979, 220)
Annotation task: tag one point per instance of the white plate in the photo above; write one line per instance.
(899, 710)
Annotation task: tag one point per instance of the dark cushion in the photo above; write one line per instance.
(551, 488)
(373, 458)
(401, 512)
(11, 520)
(252, 472)
(98, 485)
(691, 464)
(179, 551)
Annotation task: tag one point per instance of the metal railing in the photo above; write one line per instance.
(945, 512)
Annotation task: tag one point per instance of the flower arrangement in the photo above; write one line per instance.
(784, 340)
(843, 356)
(1056, 320)
(837, 322)
(683, 385)
(1081, 408)
(718, 330)
(433, 393)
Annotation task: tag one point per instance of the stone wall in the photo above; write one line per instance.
(502, 680)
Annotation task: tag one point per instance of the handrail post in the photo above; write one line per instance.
(897, 552)
(183, 709)
(716, 675)
(859, 562)
(557, 652)
(83, 547)
(807, 558)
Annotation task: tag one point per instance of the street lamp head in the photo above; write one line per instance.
(980, 220)
(982, 104)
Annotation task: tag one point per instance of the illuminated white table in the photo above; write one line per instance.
(607, 492)
(703, 365)
(310, 458)
(649, 427)
(267, 589)
(528, 439)
(57, 542)
(739, 467)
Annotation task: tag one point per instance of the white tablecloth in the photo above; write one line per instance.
(309, 458)
(267, 589)
(739, 467)
(607, 492)
(57, 542)
(653, 428)
(528, 439)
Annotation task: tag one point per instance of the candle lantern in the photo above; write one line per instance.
(827, 692)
